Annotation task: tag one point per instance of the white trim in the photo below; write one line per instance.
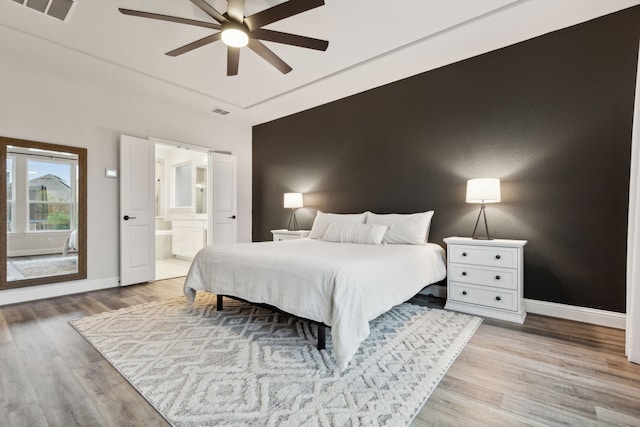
(479, 310)
(595, 316)
(34, 252)
(179, 144)
(32, 293)
(633, 235)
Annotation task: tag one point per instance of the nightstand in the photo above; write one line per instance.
(279, 235)
(486, 277)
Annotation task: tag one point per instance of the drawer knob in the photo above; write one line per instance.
(464, 254)
(464, 292)
(497, 277)
(497, 256)
(498, 298)
(464, 273)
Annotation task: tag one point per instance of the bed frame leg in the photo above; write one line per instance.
(321, 336)
(219, 306)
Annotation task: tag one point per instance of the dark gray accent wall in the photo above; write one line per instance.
(551, 117)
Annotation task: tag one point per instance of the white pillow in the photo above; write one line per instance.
(323, 220)
(370, 234)
(408, 229)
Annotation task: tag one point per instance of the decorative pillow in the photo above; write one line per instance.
(408, 229)
(370, 234)
(323, 220)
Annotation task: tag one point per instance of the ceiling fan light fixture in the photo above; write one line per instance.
(234, 36)
(237, 30)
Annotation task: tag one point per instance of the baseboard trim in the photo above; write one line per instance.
(33, 252)
(595, 316)
(32, 293)
(611, 319)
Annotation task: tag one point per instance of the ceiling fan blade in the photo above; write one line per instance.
(194, 45)
(280, 11)
(209, 10)
(269, 56)
(233, 59)
(235, 10)
(170, 18)
(290, 39)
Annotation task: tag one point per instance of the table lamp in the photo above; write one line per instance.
(293, 201)
(483, 190)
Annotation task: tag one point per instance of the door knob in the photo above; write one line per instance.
(127, 217)
(232, 217)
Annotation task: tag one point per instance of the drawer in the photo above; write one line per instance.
(281, 237)
(484, 255)
(483, 296)
(506, 278)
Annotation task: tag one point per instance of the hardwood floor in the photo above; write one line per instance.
(546, 372)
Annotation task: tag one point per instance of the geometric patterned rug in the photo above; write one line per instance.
(29, 267)
(248, 366)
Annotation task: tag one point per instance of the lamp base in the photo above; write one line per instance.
(486, 227)
(292, 218)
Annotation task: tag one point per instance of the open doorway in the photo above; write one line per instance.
(181, 208)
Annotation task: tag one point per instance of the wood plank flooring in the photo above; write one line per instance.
(546, 372)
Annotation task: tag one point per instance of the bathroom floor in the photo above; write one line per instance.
(167, 268)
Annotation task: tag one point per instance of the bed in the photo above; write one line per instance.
(71, 243)
(340, 284)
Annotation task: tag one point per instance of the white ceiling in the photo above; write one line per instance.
(371, 42)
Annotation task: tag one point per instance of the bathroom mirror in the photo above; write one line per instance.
(182, 185)
(45, 212)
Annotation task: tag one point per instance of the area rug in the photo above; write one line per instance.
(248, 366)
(39, 266)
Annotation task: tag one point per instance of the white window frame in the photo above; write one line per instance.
(12, 201)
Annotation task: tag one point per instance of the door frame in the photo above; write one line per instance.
(209, 151)
(183, 145)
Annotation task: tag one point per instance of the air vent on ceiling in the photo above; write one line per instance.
(59, 9)
(220, 111)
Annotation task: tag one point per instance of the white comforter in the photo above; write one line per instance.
(342, 285)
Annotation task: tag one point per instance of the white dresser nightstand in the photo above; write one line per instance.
(279, 235)
(486, 277)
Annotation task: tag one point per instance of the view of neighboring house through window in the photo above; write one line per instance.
(51, 194)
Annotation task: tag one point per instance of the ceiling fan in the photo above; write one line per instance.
(237, 30)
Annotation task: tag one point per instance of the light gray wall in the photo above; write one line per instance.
(48, 104)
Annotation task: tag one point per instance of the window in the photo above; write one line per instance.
(42, 190)
(11, 191)
(51, 194)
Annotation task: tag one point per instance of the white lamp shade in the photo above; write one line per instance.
(293, 200)
(483, 190)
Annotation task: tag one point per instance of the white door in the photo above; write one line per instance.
(137, 214)
(222, 181)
